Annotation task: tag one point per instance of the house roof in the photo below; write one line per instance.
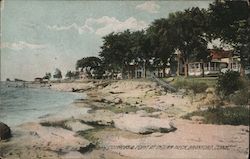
(219, 54)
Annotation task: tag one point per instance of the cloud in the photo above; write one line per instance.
(111, 24)
(149, 6)
(104, 25)
(80, 29)
(20, 45)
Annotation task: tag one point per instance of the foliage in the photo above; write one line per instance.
(57, 74)
(240, 97)
(196, 87)
(231, 115)
(69, 74)
(228, 83)
(92, 65)
(229, 21)
(47, 76)
(161, 47)
(187, 31)
(116, 50)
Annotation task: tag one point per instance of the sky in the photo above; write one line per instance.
(38, 36)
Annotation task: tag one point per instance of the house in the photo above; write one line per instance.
(38, 79)
(220, 60)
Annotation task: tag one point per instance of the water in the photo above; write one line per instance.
(19, 105)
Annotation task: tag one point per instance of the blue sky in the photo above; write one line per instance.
(38, 36)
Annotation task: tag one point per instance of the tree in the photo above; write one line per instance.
(69, 74)
(47, 76)
(57, 74)
(228, 83)
(229, 21)
(116, 51)
(187, 31)
(161, 46)
(141, 49)
(90, 64)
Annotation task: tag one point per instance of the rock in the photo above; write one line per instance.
(87, 148)
(210, 90)
(142, 113)
(77, 126)
(99, 117)
(198, 119)
(53, 138)
(143, 125)
(117, 100)
(5, 131)
(157, 134)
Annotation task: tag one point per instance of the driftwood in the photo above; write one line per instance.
(163, 83)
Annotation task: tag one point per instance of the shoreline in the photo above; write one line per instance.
(103, 131)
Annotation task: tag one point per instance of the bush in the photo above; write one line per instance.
(198, 87)
(230, 115)
(240, 97)
(228, 83)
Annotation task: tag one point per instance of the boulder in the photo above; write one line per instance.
(5, 131)
(210, 90)
(52, 138)
(97, 118)
(117, 100)
(77, 126)
(143, 125)
(198, 119)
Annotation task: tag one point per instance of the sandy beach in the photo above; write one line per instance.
(126, 119)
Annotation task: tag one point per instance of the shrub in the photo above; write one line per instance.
(230, 115)
(228, 83)
(240, 97)
(198, 87)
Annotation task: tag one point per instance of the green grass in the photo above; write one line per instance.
(197, 85)
(223, 116)
(210, 81)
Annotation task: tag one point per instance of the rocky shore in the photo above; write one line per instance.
(126, 119)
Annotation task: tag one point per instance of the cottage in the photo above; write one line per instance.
(221, 61)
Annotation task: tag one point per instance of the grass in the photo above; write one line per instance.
(210, 81)
(197, 85)
(223, 116)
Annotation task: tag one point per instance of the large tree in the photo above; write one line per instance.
(187, 31)
(47, 76)
(230, 22)
(90, 64)
(161, 46)
(69, 74)
(116, 51)
(57, 74)
(141, 49)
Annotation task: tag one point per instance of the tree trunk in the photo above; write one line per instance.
(164, 70)
(178, 67)
(202, 69)
(242, 70)
(144, 67)
(158, 72)
(186, 68)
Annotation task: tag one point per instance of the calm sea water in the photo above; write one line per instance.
(19, 105)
